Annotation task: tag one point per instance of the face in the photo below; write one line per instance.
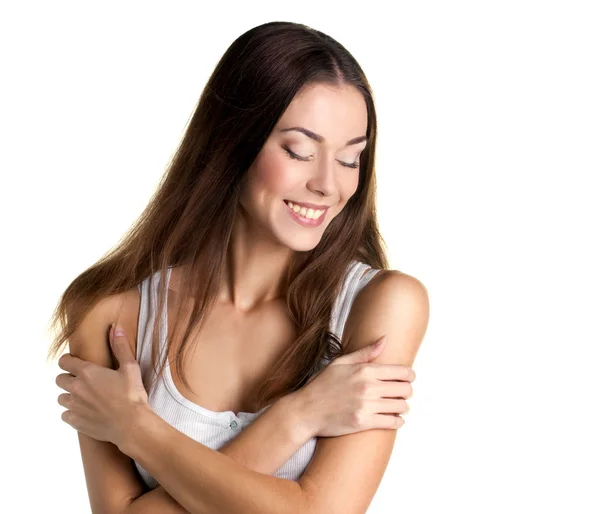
(314, 170)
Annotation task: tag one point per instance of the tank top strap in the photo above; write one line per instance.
(358, 276)
(149, 298)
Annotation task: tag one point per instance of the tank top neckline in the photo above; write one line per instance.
(229, 415)
(176, 394)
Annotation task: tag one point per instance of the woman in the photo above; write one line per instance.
(260, 252)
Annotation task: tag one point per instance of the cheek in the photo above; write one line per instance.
(274, 175)
(354, 182)
(348, 186)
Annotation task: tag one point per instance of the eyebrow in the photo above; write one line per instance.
(320, 139)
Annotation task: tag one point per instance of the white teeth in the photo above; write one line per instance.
(304, 212)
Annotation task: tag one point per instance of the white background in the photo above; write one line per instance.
(488, 160)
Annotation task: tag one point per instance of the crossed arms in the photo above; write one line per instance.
(342, 476)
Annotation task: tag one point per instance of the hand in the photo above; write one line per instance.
(103, 403)
(351, 395)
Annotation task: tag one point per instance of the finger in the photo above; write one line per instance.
(391, 406)
(392, 372)
(120, 345)
(393, 389)
(392, 421)
(64, 399)
(72, 364)
(67, 417)
(365, 354)
(75, 404)
(65, 381)
(72, 419)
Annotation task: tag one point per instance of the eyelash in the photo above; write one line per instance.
(298, 158)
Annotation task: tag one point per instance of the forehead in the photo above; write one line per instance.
(338, 113)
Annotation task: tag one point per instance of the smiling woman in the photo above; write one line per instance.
(249, 293)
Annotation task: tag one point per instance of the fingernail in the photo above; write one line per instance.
(380, 342)
(119, 331)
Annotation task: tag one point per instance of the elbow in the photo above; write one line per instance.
(310, 503)
(128, 507)
(111, 507)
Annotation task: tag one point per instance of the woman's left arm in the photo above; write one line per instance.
(205, 481)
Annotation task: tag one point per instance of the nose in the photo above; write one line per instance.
(322, 181)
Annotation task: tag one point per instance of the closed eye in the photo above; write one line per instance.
(306, 159)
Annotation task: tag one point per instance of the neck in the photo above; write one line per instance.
(256, 267)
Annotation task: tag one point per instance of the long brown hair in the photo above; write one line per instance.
(189, 218)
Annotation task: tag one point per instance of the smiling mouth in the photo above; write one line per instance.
(299, 213)
(303, 220)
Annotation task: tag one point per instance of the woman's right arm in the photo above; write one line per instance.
(114, 486)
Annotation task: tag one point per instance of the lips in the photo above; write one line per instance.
(301, 220)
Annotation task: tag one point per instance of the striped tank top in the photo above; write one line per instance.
(215, 429)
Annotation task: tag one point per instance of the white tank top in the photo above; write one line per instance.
(214, 429)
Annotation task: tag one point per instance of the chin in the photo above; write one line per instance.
(300, 242)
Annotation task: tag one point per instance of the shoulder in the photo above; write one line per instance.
(90, 342)
(393, 284)
(392, 303)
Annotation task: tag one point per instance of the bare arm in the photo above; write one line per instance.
(264, 446)
(203, 480)
(156, 501)
(270, 441)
